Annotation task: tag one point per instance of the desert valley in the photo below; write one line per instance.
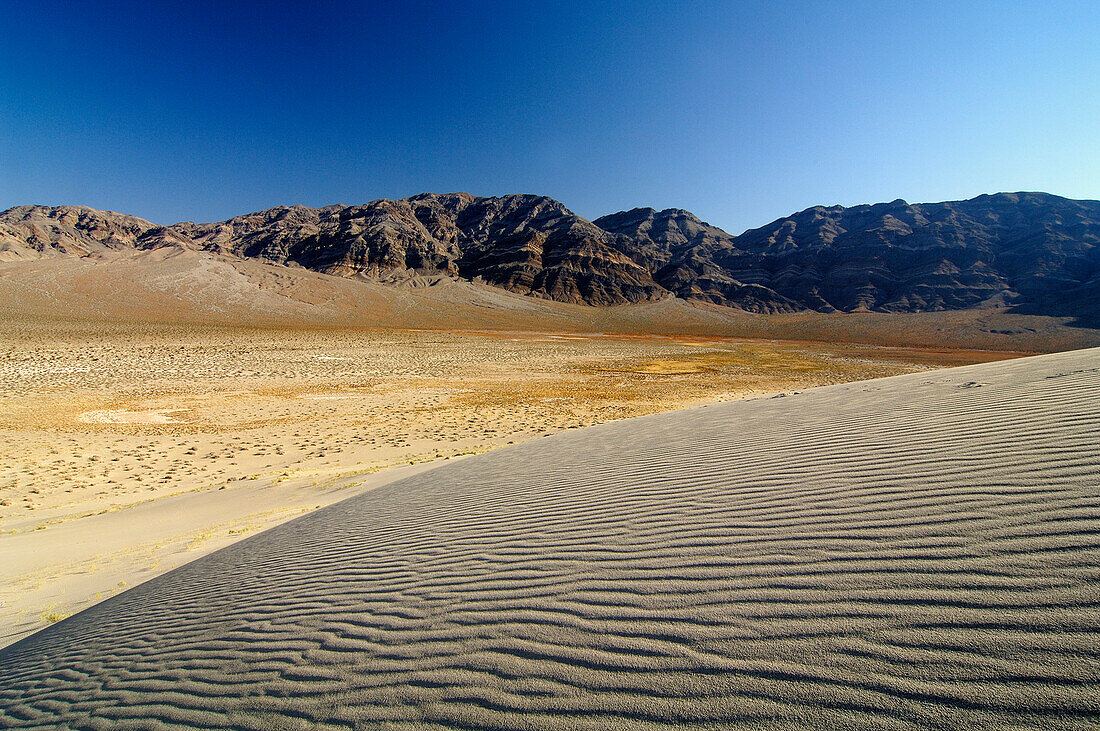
(799, 537)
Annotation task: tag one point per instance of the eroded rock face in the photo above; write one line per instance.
(524, 243)
(43, 231)
(1033, 250)
(686, 256)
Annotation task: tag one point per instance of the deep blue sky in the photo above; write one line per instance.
(740, 112)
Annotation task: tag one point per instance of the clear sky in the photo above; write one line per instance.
(740, 112)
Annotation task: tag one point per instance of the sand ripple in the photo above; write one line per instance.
(914, 552)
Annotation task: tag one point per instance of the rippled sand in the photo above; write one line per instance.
(914, 552)
(128, 450)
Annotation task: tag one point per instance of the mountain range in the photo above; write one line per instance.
(1034, 252)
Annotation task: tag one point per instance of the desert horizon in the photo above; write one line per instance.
(168, 408)
(164, 405)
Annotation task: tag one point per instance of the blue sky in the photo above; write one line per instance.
(739, 112)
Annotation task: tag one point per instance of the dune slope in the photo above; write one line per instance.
(918, 551)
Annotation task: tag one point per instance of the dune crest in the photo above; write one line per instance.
(918, 551)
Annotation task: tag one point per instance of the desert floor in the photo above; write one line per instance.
(129, 450)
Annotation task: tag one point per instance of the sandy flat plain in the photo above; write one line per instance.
(911, 552)
(129, 450)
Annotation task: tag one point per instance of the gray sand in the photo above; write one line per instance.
(918, 551)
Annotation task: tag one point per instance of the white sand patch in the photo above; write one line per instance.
(47, 370)
(121, 416)
(331, 396)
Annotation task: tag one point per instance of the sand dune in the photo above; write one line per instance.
(107, 429)
(918, 551)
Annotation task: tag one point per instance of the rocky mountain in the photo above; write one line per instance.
(1035, 251)
(28, 232)
(1030, 248)
(686, 256)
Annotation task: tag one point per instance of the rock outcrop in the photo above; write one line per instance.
(524, 243)
(30, 232)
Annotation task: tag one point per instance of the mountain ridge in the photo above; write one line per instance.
(1033, 251)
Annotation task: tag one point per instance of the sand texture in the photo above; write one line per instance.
(917, 551)
(126, 451)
